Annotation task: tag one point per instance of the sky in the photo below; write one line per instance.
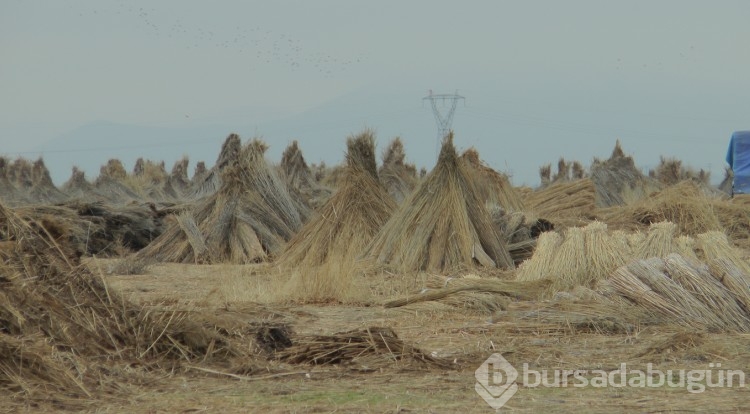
(541, 79)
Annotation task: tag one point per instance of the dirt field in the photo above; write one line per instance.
(463, 338)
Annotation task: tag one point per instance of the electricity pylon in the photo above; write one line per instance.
(444, 120)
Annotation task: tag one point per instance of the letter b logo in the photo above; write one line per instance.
(496, 381)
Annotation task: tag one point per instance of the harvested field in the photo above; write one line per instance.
(256, 287)
(570, 334)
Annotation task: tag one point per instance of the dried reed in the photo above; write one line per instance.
(659, 242)
(696, 279)
(443, 225)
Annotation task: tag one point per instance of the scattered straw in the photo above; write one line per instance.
(509, 288)
(372, 347)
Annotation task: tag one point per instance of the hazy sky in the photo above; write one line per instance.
(563, 78)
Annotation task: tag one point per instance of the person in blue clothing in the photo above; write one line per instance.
(738, 158)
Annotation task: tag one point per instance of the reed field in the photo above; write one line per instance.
(252, 285)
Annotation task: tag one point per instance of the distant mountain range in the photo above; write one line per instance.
(514, 131)
(321, 133)
(90, 146)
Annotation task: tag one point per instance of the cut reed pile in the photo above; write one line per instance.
(349, 220)
(17, 180)
(79, 188)
(686, 204)
(734, 279)
(693, 311)
(584, 310)
(522, 250)
(519, 232)
(570, 262)
(43, 190)
(123, 229)
(397, 176)
(442, 225)
(566, 172)
(697, 280)
(541, 264)
(294, 168)
(20, 174)
(319, 171)
(604, 254)
(199, 174)
(494, 188)
(624, 241)
(150, 172)
(151, 181)
(627, 282)
(206, 183)
(62, 328)
(588, 255)
(670, 171)
(324, 254)
(362, 151)
(635, 240)
(249, 218)
(685, 246)
(5, 183)
(564, 203)
(618, 181)
(111, 183)
(154, 172)
(510, 225)
(685, 292)
(8, 192)
(371, 347)
(331, 176)
(583, 257)
(299, 177)
(178, 178)
(734, 216)
(726, 184)
(659, 241)
(677, 342)
(96, 228)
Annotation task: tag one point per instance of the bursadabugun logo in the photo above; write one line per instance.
(496, 381)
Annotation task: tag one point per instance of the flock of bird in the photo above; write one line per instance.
(263, 45)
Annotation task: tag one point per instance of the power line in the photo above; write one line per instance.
(443, 119)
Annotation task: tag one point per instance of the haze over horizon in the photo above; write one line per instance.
(84, 81)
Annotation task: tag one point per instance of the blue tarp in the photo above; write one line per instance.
(738, 157)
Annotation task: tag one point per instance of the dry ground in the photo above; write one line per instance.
(464, 337)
